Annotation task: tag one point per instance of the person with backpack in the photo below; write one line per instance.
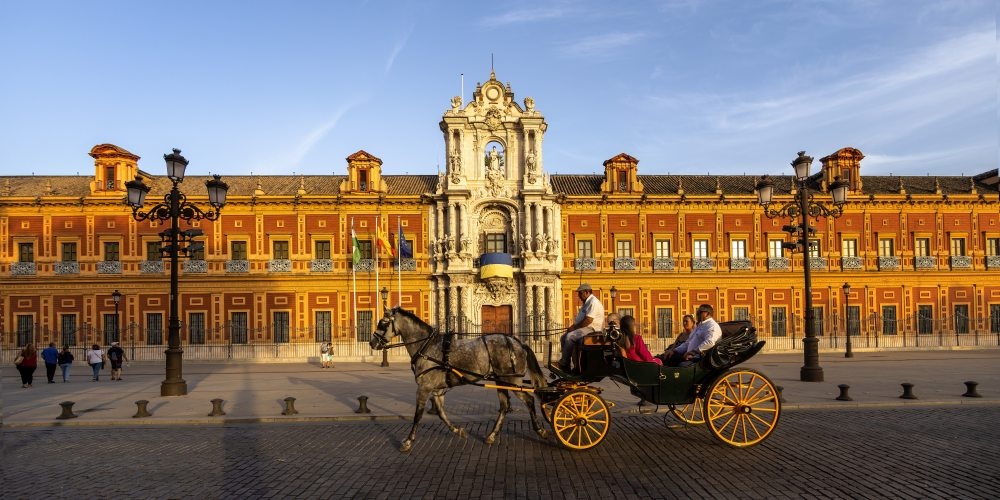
(116, 355)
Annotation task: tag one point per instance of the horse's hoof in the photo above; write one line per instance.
(406, 447)
(491, 439)
(542, 433)
(461, 433)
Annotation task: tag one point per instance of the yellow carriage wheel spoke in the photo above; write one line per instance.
(743, 408)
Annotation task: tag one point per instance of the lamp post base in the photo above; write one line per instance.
(173, 388)
(811, 374)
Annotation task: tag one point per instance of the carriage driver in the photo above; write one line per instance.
(589, 319)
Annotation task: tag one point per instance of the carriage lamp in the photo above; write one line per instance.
(175, 208)
(614, 294)
(847, 328)
(803, 207)
(384, 292)
(116, 296)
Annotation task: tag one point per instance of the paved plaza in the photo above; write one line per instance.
(942, 445)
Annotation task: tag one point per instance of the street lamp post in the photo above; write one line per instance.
(175, 207)
(116, 296)
(803, 208)
(614, 294)
(848, 353)
(384, 292)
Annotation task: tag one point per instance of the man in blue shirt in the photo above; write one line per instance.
(51, 356)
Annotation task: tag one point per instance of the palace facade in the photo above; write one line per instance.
(499, 245)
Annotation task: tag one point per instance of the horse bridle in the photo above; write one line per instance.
(380, 333)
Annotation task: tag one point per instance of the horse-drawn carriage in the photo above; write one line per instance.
(740, 406)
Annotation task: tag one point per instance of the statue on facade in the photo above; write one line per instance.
(550, 244)
(466, 245)
(531, 167)
(493, 160)
(456, 102)
(529, 105)
(525, 244)
(455, 167)
(540, 244)
(450, 243)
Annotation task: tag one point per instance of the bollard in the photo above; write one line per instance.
(67, 410)
(843, 393)
(362, 405)
(141, 409)
(781, 397)
(970, 390)
(907, 391)
(290, 406)
(216, 408)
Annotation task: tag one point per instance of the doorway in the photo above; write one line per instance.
(497, 319)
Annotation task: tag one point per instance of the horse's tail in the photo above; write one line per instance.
(537, 377)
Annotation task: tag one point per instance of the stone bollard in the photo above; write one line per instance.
(67, 410)
(216, 408)
(843, 393)
(781, 396)
(362, 405)
(907, 391)
(141, 411)
(290, 407)
(970, 390)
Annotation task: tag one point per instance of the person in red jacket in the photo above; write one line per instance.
(636, 349)
(26, 367)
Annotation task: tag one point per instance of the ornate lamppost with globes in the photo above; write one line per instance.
(848, 353)
(173, 208)
(804, 207)
(614, 294)
(384, 292)
(116, 296)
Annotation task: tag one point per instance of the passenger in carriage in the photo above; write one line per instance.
(688, 323)
(703, 338)
(635, 347)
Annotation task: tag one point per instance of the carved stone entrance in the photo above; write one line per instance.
(497, 319)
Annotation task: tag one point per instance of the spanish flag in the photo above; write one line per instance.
(383, 242)
(496, 265)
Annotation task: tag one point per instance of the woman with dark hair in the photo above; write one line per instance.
(635, 347)
(27, 362)
(689, 323)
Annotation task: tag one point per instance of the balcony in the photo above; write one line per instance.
(924, 262)
(195, 266)
(67, 267)
(320, 265)
(740, 264)
(585, 264)
(663, 263)
(702, 264)
(109, 267)
(624, 264)
(778, 264)
(279, 266)
(365, 265)
(817, 262)
(406, 264)
(852, 262)
(237, 266)
(993, 262)
(151, 267)
(888, 263)
(22, 269)
(961, 262)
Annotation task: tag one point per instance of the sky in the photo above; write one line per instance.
(685, 86)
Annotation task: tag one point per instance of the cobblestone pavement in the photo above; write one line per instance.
(920, 452)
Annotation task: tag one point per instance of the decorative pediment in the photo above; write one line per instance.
(846, 164)
(113, 167)
(364, 174)
(621, 175)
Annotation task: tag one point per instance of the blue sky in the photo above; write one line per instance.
(685, 86)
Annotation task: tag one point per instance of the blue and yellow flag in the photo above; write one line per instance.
(496, 265)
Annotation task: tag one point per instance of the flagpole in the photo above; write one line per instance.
(378, 250)
(399, 263)
(354, 281)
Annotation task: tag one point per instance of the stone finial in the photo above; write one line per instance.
(902, 190)
(937, 186)
(680, 186)
(260, 188)
(972, 186)
(48, 186)
(718, 185)
(302, 185)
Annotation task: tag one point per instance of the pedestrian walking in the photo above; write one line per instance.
(95, 358)
(51, 357)
(116, 355)
(65, 362)
(26, 363)
(326, 355)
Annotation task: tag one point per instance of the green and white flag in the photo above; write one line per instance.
(357, 247)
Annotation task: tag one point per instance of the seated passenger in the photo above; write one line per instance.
(703, 338)
(635, 347)
(688, 324)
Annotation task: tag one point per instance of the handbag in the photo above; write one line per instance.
(19, 359)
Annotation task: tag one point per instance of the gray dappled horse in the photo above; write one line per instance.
(499, 358)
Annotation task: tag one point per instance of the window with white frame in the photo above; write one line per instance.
(774, 249)
(700, 249)
(921, 247)
(738, 249)
(661, 248)
(623, 249)
(958, 247)
(886, 247)
(849, 248)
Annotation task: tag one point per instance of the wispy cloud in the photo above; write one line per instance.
(885, 162)
(600, 45)
(294, 157)
(396, 49)
(528, 15)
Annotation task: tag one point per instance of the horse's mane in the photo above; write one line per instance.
(413, 317)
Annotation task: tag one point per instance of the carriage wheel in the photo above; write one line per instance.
(742, 408)
(690, 414)
(581, 420)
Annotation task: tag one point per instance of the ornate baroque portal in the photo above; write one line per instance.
(494, 198)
